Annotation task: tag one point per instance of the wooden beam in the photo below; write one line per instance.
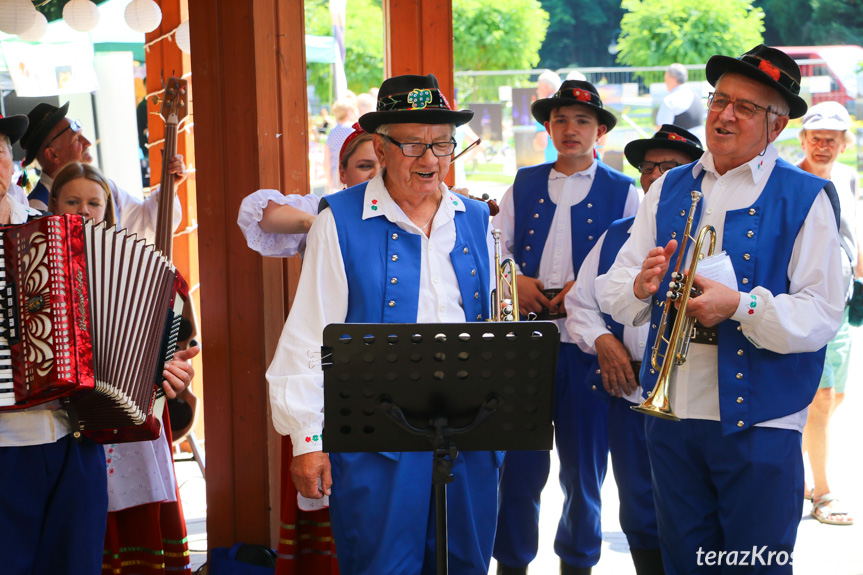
(250, 107)
(418, 40)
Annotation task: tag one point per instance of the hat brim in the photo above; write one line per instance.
(541, 110)
(372, 120)
(46, 126)
(637, 149)
(719, 65)
(14, 127)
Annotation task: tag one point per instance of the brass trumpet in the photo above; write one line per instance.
(677, 343)
(503, 309)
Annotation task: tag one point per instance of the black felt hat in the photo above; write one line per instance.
(13, 127)
(573, 92)
(43, 118)
(768, 66)
(412, 100)
(669, 137)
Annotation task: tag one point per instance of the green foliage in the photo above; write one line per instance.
(660, 32)
(837, 22)
(786, 22)
(495, 35)
(364, 45)
(580, 32)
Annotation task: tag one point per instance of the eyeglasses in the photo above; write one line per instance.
(742, 110)
(417, 149)
(647, 168)
(75, 126)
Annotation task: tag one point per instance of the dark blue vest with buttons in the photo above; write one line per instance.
(41, 193)
(382, 261)
(615, 237)
(534, 212)
(755, 385)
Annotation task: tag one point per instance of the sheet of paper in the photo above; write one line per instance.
(718, 268)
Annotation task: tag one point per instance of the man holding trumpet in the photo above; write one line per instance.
(777, 299)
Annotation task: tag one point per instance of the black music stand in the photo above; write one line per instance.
(415, 387)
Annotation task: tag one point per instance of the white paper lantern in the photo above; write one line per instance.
(181, 37)
(16, 16)
(37, 30)
(81, 15)
(143, 16)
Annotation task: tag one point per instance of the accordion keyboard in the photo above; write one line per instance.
(7, 391)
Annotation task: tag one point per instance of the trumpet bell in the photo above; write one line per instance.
(663, 411)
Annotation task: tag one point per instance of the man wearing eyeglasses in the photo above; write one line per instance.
(728, 475)
(53, 140)
(550, 218)
(824, 136)
(400, 248)
(617, 351)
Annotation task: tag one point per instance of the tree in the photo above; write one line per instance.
(786, 22)
(497, 34)
(580, 32)
(364, 44)
(661, 32)
(837, 22)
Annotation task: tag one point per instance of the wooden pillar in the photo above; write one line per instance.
(418, 40)
(251, 132)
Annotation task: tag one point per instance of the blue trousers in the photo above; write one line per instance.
(382, 512)
(631, 465)
(53, 508)
(738, 495)
(580, 419)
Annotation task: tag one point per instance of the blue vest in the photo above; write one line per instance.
(382, 261)
(755, 385)
(615, 237)
(41, 193)
(534, 211)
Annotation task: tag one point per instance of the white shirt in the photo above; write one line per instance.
(848, 189)
(675, 103)
(296, 382)
(555, 266)
(135, 214)
(584, 321)
(266, 243)
(43, 423)
(803, 320)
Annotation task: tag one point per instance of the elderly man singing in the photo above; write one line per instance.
(727, 478)
(398, 249)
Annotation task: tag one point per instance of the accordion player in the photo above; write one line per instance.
(76, 297)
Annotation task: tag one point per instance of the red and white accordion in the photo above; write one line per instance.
(90, 315)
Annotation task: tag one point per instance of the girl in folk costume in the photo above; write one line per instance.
(146, 531)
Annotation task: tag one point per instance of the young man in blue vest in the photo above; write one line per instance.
(727, 477)
(551, 218)
(618, 351)
(400, 248)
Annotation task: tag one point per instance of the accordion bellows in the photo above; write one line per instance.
(90, 315)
